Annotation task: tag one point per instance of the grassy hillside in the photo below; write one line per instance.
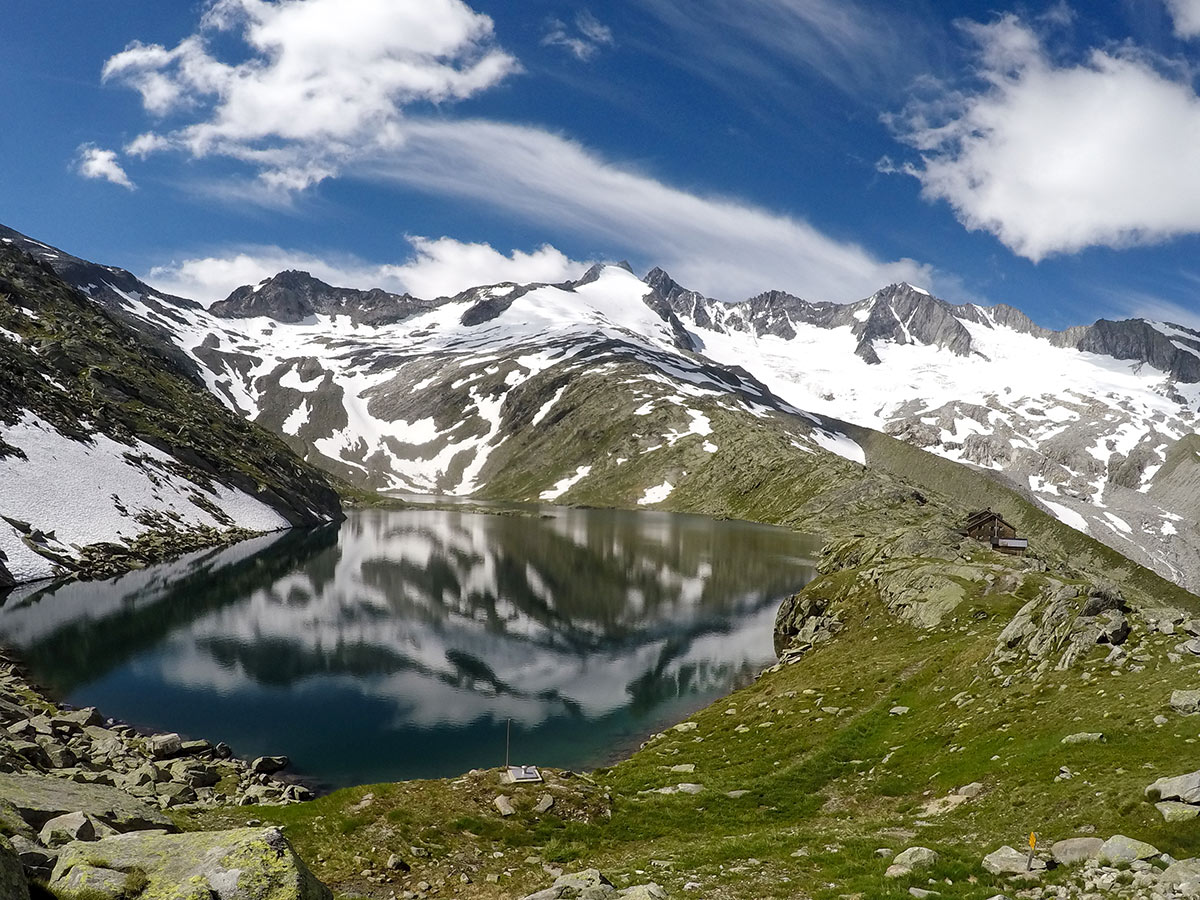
(919, 663)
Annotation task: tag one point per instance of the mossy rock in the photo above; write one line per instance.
(239, 864)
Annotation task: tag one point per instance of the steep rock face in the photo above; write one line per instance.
(1178, 354)
(905, 315)
(293, 296)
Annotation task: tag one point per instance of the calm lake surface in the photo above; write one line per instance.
(397, 644)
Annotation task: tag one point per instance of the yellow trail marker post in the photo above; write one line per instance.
(1032, 847)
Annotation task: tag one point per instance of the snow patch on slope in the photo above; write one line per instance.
(92, 492)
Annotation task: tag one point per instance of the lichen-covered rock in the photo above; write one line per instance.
(1174, 811)
(916, 858)
(241, 864)
(589, 884)
(13, 885)
(40, 798)
(1122, 849)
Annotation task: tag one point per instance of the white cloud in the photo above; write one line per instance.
(437, 268)
(584, 41)
(1186, 16)
(1054, 158)
(323, 94)
(721, 246)
(93, 162)
(322, 78)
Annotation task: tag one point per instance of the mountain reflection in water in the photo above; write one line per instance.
(396, 645)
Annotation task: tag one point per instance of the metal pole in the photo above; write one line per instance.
(507, 741)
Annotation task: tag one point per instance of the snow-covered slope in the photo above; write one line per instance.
(1083, 431)
(422, 403)
(109, 453)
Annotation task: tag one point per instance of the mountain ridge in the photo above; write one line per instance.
(424, 399)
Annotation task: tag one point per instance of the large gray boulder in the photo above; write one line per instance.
(1008, 861)
(240, 864)
(1184, 788)
(1075, 850)
(40, 798)
(1122, 849)
(13, 885)
(67, 828)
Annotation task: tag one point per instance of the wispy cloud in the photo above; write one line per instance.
(855, 48)
(317, 100)
(720, 245)
(584, 40)
(94, 162)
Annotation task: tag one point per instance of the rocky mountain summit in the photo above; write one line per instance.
(293, 296)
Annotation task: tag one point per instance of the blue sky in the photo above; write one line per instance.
(1043, 155)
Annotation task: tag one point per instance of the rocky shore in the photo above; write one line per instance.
(77, 788)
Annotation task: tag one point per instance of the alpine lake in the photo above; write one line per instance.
(399, 644)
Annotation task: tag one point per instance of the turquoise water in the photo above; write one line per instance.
(398, 644)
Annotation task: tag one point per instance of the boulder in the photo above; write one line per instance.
(1075, 850)
(649, 891)
(916, 858)
(38, 860)
(1185, 788)
(1174, 811)
(1119, 849)
(162, 746)
(64, 829)
(40, 798)
(1186, 702)
(241, 864)
(95, 882)
(1084, 737)
(586, 885)
(268, 765)
(1114, 628)
(13, 885)
(60, 757)
(1007, 861)
(79, 717)
(1180, 872)
(504, 805)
